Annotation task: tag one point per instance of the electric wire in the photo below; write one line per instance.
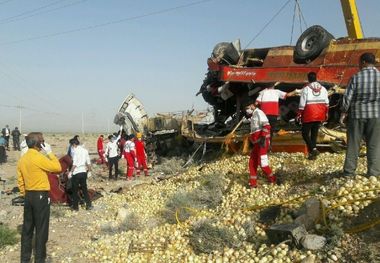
(43, 12)
(6, 1)
(28, 108)
(118, 21)
(30, 11)
(268, 23)
(26, 87)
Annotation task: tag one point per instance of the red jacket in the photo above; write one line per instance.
(259, 125)
(140, 149)
(314, 103)
(268, 100)
(100, 144)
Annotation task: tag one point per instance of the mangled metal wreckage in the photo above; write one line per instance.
(235, 75)
(164, 131)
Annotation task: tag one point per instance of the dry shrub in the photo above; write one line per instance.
(207, 238)
(169, 166)
(178, 205)
(184, 204)
(250, 232)
(131, 223)
(7, 236)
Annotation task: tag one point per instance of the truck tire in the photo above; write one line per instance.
(311, 43)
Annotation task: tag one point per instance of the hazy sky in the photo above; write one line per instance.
(156, 49)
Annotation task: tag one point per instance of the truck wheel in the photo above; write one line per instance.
(311, 43)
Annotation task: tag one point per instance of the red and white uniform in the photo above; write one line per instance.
(130, 156)
(268, 100)
(314, 103)
(100, 149)
(141, 157)
(260, 137)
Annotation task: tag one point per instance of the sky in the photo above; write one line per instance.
(69, 64)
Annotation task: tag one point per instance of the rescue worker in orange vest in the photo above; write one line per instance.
(260, 138)
(141, 155)
(130, 155)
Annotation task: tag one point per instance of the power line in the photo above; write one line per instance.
(4, 2)
(30, 11)
(42, 12)
(268, 23)
(28, 108)
(91, 27)
(23, 84)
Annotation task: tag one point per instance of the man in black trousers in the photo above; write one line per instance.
(33, 182)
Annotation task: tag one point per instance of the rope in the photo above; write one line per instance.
(230, 137)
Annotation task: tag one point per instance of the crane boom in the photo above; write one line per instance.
(351, 18)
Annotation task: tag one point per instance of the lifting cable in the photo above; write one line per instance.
(301, 18)
(268, 23)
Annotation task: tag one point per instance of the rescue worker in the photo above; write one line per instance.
(268, 102)
(260, 138)
(130, 155)
(16, 139)
(100, 148)
(141, 155)
(312, 111)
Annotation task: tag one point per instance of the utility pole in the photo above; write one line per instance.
(108, 126)
(82, 123)
(19, 120)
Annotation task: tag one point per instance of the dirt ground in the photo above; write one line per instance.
(71, 231)
(67, 229)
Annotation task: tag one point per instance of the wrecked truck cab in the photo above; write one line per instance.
(161, 132)
(132, 115)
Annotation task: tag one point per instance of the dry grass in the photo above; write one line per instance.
(205, 237)
(183, 204)
(7, 236)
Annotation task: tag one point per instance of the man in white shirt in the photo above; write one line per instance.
(112, 155)
(81, 167)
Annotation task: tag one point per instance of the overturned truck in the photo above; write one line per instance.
(235, 74)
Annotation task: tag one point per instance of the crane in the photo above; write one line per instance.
(351, 18)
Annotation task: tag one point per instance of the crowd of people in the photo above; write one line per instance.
(6, 134)
(121, 145)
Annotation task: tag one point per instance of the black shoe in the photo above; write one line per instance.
(89, 207)
(74, 209)
(315, 152)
